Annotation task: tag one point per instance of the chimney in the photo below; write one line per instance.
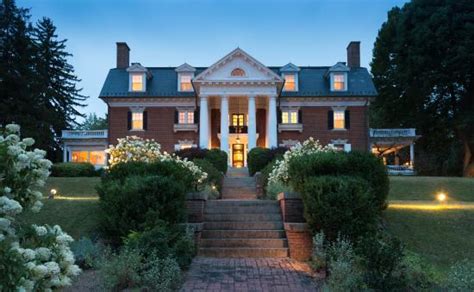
(353, 54)
(123, 55)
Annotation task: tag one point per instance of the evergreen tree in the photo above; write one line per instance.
(93, 122)
(423, 64)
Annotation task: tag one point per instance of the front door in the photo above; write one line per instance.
(238, 155)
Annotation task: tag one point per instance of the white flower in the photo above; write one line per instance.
(29, 141)
(7, 190)
(4, 223)
(73, 270)
(40, 271)
(37, 206)
(9, 206)
(2, 237)
(53, 268)
(40, 230)
(13, 128)
(43, 253)
(64, 239)
(29, 254)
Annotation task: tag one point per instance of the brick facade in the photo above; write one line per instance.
(160, 127)
(315, 124)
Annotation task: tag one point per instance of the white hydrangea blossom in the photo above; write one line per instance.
(48, 260)
(280, 170)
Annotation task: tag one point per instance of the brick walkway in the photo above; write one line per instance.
(249, 274)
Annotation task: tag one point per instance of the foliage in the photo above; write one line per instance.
(319, 254)
(419, 274)
(461, 276)
(31, 257)
(344, 273)
(86, 252)
(161, 274)
(274, 188)
(215, 178)
(215, 156)
(121, 270)
(73, 169)
(93, 122)
(338, 206)
(257, 159)
(38, 88)
(422, 66)
(140, 202)
(192, 153)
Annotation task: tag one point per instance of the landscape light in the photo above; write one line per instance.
(441, 197)
(52, 193)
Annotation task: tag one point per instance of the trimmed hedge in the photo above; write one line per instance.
(215, 156)
(73, 169)
(259, 157)
(214, 176)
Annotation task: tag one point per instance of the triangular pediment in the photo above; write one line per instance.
(136, 68)
(339, 67)
(290, 67)
(185, 68)
(238, 66)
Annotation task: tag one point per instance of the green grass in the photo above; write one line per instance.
(425, 188)
(76, 217)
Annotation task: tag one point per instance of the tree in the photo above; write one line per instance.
(93, 122)
(423, 61)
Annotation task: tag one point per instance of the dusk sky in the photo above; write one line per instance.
(169, 33)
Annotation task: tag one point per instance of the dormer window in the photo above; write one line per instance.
(338, 77)
(137, 82)
(339, 82)
(185, 82)
(237, 72)
(290, 82)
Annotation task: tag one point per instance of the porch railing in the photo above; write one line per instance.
(381, 133)
(86, 134)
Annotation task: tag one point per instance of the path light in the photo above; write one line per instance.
(213, 187)
(441, 197)
(52, 193)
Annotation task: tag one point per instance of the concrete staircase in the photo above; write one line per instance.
(240, 225)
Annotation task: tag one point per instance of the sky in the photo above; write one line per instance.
(171, 32)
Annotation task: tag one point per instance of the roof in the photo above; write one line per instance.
(312, 83)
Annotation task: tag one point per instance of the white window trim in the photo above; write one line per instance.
(339, 109)
(296, 81)
(135, 110)
(182, 143)
(179, 81)
(130, 79)
(289, 111)
(186, 114)
(347, 146)
(332, 81)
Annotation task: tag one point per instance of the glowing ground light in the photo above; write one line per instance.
(441, 197)
(53, 192)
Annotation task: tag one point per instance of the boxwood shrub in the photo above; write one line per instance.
(73, 169)
(259, 158)
(215, 156)
(214, 176)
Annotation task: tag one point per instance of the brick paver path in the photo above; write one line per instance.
(249, 274)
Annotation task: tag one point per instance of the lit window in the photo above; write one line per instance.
(339, 122)
(79, 156)
(237, 120)
(185, 82)
(289, 117)
(137, 82)
(237, 72)
(339, 147)
(97, 157)
(339, 82)
(290, 83)
(186, 117)
(137, 121)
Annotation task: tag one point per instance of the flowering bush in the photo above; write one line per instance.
(280, 170)
(133, 148)
(31, 257)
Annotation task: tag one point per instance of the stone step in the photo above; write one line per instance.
(240, 218)
(230, 225)
(243, 234)
(244, 242)
(239, 191)
(236, 252)
(243, 210)
(239, 203)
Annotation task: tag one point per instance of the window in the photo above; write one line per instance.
(185, 82)
(186, 117)
(237, 72)
(289, 117)
(137, 82)
(237, 120)
(97, 157)
(339, 82)
(137, 120)
(79, 156)
(290, 82)
(339, 121)
(339, 147)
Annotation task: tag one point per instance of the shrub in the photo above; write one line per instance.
(265, 174)
(161, 274)
(258, 158)
(214, 176)
(419, 273)
(86, 253)
(73, 169)
(319, 255)
(140, 202)
(192, 153)
(274, 188)
(461, 276)
(338, 205)
(121, 270)
(218, 158)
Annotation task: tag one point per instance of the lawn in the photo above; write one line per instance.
(425, 188)
(76, 209)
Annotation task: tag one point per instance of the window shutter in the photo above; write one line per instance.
(145, 120)
(176, 116)
(279, 116)
(330, 120)
(129, 120)
(347, 119)
(300, 116)
(196, 116)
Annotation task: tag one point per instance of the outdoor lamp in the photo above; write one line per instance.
(52, 193)
(441, 197)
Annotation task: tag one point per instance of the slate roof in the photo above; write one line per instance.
(313, 82)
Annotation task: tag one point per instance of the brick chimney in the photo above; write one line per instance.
(353, 54)
(123, 55)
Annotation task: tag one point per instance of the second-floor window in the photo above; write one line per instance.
(238, 120)
(290, 82)
(137, 120)
(185, 82)
(339, 119)
(339, 82)
(289, 116)
(186, 117)
(137, 82)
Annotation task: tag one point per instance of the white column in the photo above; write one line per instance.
(272, 122)
(225, 124)
(64, 153)
(203, 123)
(252, 126)
(412, 154)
